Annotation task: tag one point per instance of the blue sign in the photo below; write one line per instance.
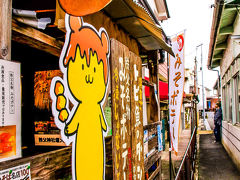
(160, 147)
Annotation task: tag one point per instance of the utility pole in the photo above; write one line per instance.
(203, 98)
(195, 92)
(170, 144)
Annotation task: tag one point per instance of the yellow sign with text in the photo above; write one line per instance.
(84, 62)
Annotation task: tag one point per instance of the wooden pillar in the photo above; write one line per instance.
(153, 77)
(5, 29)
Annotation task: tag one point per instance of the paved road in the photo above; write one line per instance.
(214, 162)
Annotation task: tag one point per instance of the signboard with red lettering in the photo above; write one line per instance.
(10, 111)
(176, 86)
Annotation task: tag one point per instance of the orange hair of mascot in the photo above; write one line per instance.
(87, 39)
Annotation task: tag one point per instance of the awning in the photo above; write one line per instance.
(138, 23)
(163, 91)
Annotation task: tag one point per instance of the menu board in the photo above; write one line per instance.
(10, 111)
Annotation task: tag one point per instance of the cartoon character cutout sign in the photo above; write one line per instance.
(84, 62)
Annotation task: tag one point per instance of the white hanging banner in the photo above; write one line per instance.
(176, 86)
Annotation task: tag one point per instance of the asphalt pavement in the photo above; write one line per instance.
(214, 162)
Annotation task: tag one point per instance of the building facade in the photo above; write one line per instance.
(224, 51)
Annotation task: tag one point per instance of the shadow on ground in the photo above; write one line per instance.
(214, 162)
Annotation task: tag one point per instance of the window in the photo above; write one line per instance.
(236, 89)
(224, 105)
(228, 101)
(230, 117)
(238, 99)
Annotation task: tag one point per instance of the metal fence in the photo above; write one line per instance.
(187, 166)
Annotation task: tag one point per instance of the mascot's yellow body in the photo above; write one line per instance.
(85, 63)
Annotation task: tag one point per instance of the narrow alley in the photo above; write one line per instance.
(214, 161)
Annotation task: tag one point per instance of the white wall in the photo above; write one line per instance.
(230, 132)
(231, 141)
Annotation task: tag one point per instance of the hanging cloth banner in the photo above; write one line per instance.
(176, 86)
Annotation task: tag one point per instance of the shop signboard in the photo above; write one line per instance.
(121, 112)
(16, 173)
(127, 113)
(176, 87)
(137, 117)
(10, 111)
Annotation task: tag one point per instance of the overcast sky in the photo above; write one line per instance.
(195, 17)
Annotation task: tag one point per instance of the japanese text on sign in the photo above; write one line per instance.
(137, 119)
(128, 158)
(176, 84)
(10, 110)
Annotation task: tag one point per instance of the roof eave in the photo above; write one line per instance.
(138, 23)
(214, 31)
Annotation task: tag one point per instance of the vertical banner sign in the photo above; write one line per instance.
(10, 110)
(84, 62)
(137, 117)
(120, 73)
(176, 85)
